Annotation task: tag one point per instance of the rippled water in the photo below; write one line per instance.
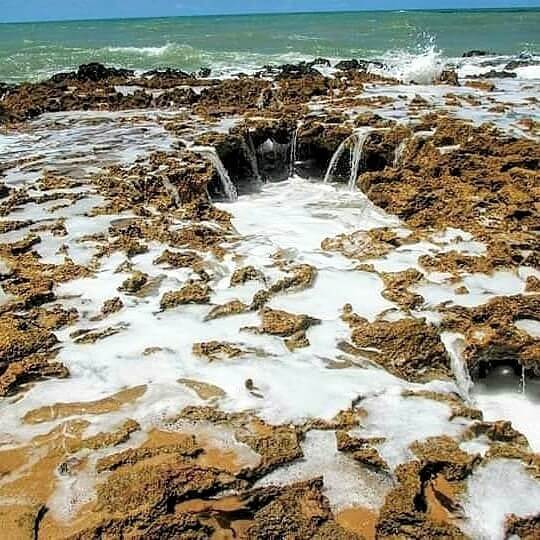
(234, 43)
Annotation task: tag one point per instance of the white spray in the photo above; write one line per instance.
(210, 153)
(249, 150)
(294, 144)
(459, 367)
(356, 143)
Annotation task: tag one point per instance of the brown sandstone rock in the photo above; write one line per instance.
(32, 368)
(234, 307)
(491, 336)
(408, 348)
(281, 323)
(245, 274)
(134, 283)
(20, 337)
(114, 305)
(192, 293)
(403, 513)
(215, 350)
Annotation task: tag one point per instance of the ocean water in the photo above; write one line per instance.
(229, 44)
(291, 219)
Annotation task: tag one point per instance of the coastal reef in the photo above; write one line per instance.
(297, 303)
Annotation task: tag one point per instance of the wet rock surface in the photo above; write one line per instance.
(491, 336)
(409, 348)
(164, 346)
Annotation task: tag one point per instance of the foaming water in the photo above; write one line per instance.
(149, 51)
(347, 484)
(423, 68)
(421, 65)
(355, 143)
(79, 143)
(234, 44)
(494, 491)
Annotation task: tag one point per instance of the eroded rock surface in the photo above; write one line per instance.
(139, 395)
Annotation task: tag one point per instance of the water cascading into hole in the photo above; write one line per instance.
(454, 346)
(249, 150)
(292, 158)
(356, 143)
(210, 153)
(335, 158)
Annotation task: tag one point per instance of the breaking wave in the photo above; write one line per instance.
(148, 51)
(423, 65)
(420, 68)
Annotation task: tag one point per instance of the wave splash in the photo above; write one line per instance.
(149, 51)
(146, 51)
(423, 65)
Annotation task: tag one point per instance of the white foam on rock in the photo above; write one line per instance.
(503, 398)
(221, 437)
(531, 326)
(293, 218)
(404, 420)
(80, 143)
(494, 491)
(347, 484)
(332, 290)
(481, 288)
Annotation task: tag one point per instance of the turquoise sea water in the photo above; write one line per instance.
(232, 43)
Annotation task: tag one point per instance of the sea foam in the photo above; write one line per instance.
(148, 51)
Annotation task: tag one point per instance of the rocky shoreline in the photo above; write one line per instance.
(105, 242)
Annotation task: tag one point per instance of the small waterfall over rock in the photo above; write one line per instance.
(355, 143)
(210, 153)
(294, 144)
(251, 155)
(424, 134)
(464, 382)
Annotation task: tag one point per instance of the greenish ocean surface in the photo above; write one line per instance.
(230, 44)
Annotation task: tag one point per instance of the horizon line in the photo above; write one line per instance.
(275, 13)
